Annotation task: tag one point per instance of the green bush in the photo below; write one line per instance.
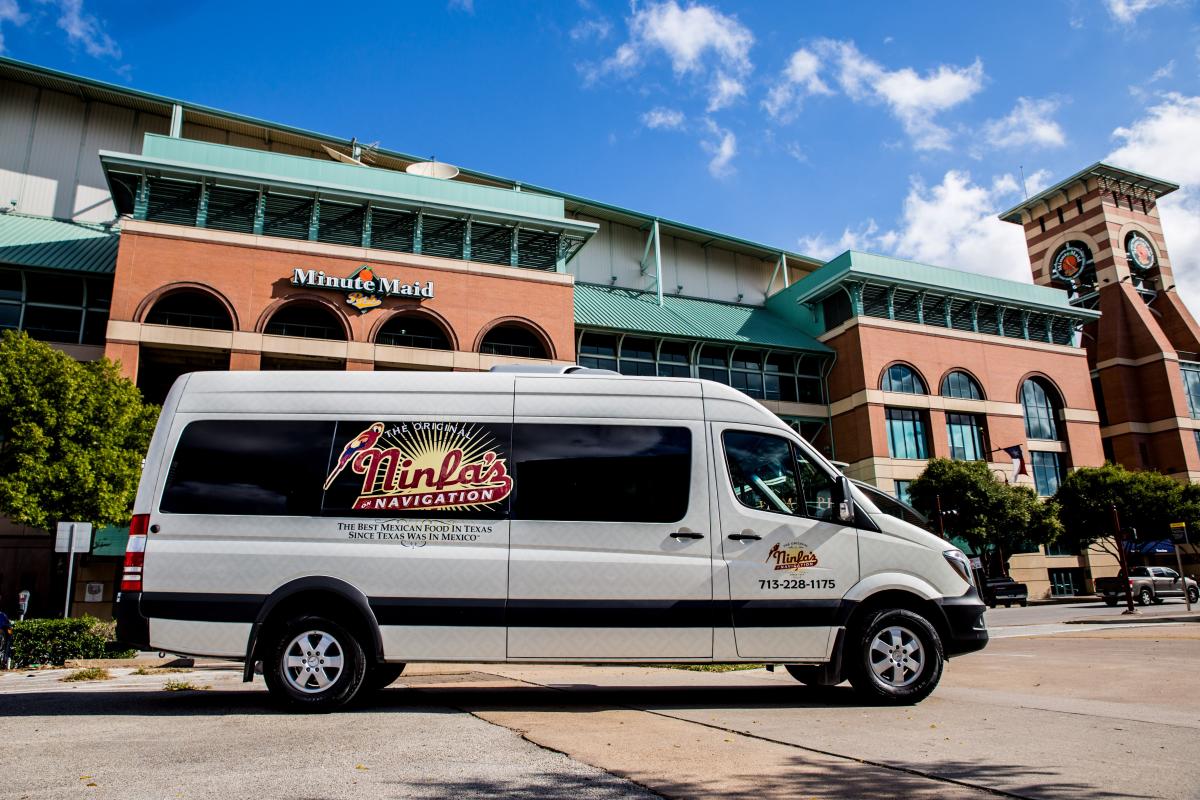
(53, 641)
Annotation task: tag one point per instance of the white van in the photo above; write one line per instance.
(336, 525)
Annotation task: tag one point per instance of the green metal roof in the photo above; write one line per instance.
(1100, 169)
(55, 244)
(853, 265)
(630, 310)
(192, 157)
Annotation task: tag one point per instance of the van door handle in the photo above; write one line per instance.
(687, 535)
(741, 537)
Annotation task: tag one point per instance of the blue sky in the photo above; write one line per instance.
(895, 127)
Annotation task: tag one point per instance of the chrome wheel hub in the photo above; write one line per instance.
(313, 662)
(897, 657)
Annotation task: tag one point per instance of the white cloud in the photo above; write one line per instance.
(699, 42)
(912, 98)
(800, 79)
(1162, 73)
(663, 118)
(722, 146)
(86, 30)
(951, 224)
(596, 28)
(1029, 124)
(1163, 143)
(11, 13)
(794, 150)
(1127, 11)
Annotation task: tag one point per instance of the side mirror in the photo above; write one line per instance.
(845, 505)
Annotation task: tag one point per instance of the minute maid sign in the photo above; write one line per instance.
(364, 288)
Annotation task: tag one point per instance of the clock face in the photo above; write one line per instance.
(1141, 254)
(1069, 263)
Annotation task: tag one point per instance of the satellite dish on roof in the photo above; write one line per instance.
(432, 169)
(361, 155)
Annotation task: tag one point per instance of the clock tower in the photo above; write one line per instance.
(1097, 236)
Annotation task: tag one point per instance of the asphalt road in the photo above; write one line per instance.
(1095, 712)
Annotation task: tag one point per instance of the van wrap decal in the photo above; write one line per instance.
(485, 612)
(421, 466)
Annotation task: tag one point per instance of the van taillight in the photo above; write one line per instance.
(135, 553)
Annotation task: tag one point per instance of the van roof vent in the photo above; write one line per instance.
(551, 369)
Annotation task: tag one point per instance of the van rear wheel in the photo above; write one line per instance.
(895, 657)
(314, 664)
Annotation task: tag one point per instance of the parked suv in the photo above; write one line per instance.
(1148, 585)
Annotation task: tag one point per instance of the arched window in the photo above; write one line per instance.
(190, 308)
(902, 378)
(1040, 404)
(961, 385)
(507, 339)
(307, 320)
(413, 330)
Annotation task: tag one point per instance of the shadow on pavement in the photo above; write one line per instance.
(801, 778)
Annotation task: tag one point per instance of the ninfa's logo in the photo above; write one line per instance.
(365, 288)
(791, 556)
(425, 465)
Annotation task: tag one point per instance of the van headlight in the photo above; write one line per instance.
(962, 565)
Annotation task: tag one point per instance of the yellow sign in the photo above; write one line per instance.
(1178, 526)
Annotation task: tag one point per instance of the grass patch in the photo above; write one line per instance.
(711, 667)
(158, 670)
(183, 686)
(89, 674)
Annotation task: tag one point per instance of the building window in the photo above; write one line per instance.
(55, 307)
(1047, 472)
(902, 378)
(962, 386)
(674, 359)
(1042, 223)
(306, 320)
(598, 351)
(901, 490)
(906, 433)
(713, 364)
(1191, 386)
(966, 437)
(637, 356)
(1061, 547)
(412, 330)
(1041, 410)
(190, 308)
(747, 374)
(1060, 217)
(512, 340)
(1066, 582)
(1196, 434)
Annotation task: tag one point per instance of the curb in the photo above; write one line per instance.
(1134, 620)
(84, 663)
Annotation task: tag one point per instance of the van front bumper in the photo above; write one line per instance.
(133, 629)
(966, 630)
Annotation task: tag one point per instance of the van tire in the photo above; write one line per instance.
(382, 675)
(327, 639)
(879, 657)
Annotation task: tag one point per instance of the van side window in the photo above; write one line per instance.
(769, 474)
(601, 473)
(251, 467)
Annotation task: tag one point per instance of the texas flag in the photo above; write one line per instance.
(1018, 457)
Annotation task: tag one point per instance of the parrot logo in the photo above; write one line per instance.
(364, 441)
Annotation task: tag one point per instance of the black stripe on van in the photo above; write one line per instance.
(420, 611)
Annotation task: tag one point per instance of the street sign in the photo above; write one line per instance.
(1179, 532)
(83, 537)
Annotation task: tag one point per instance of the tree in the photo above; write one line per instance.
(1145, 501)
(72, 436)
(992, 517)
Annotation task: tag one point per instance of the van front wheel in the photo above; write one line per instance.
(895, 657)
(314, 664)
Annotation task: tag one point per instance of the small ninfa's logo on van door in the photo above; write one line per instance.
(424, 466)
(792, 556)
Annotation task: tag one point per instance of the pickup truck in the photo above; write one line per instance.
(1005, 591)
(1148, 585)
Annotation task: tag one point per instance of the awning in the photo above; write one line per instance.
(54, 244)
(1151, 548)
(630, 310)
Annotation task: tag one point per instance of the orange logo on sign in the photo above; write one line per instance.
(425, 466)
(792, 556)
